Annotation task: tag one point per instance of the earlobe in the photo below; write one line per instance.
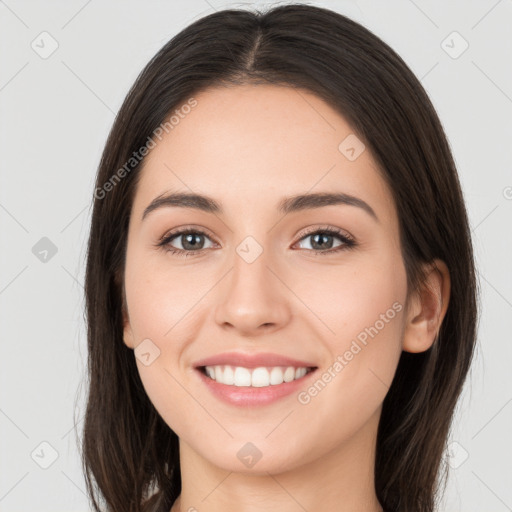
(427, 309)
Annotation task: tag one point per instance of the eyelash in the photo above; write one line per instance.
(348, 242)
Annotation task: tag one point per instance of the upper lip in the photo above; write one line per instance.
(252, 360)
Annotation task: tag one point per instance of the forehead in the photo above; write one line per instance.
(251, 145)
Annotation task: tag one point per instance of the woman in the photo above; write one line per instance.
(280, 284)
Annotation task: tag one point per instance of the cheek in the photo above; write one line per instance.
(161, 305)
(347, 299)
(361, 324)
(366, 315)
(160, 297)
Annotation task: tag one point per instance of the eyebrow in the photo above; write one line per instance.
(286, 205)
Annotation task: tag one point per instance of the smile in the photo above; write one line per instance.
(251, 387)
(254, 377)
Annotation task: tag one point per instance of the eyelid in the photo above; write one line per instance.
(325, 227)
(185, 229)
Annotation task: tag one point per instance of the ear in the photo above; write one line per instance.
(128, 337)
(427, 309)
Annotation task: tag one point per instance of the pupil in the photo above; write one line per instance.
(322, 238)
(189, 240)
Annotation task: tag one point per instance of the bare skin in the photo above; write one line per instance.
(248, 147)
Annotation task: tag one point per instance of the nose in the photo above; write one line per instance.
(253, 298)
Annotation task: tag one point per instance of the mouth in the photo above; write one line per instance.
(253, 379)
(259, 377)
(240, 386)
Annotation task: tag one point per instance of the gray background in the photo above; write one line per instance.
(55, 116)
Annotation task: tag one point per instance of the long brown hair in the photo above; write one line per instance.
(130, 455)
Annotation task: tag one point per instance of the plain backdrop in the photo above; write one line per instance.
(65, 68)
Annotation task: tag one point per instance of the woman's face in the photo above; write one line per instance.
(265, 279)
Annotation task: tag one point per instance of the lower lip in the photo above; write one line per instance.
(249, 396)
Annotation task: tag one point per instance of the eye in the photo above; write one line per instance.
(322, 239)
(190, 240)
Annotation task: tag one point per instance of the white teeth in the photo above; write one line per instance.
(300, 372)
(289, 374)
(242, 376)
(256, 377)
(260, 378)
(228, 376)
(276, 376)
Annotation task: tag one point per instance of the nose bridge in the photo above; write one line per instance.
(251, 275)
(252, 295)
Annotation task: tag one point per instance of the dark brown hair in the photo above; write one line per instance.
(128, 452)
